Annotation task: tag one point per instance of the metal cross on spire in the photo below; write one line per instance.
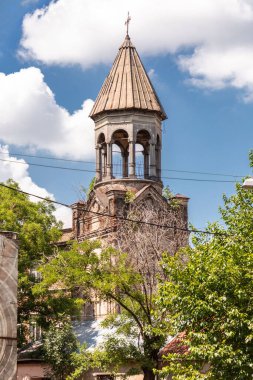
(127, 22)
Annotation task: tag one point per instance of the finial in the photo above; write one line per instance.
(127, 23)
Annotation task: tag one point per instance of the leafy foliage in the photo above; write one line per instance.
(112, 276)
(251, 158)
(60, 343)
(37, 231)
(127, 277)
(209, 296)
(167, 193)
(109, 355)
(129, 197)
(91, 186)
(85, 192)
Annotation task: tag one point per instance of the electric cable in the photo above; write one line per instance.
(47, 157)
(93, 163)
(93, 171)
(48, 166)
(118, 217)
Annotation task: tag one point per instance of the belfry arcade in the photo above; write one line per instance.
(122, 157)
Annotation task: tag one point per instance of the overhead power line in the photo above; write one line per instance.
(118, 217)
(205, 173)
(199, 179)
(93, 163)
(93, 171)
(48, 166)
(48, 157)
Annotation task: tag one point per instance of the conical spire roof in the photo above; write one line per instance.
(127, 86)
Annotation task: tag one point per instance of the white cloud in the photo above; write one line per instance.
(64, 214)
(234, 68)
(217, 32)
(18, 170)
(31, 117)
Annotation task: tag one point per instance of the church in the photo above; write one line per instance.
(128, 117)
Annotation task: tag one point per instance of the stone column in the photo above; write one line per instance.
(152, 166)
(132, 159)
(125, 164)
(98, 163)
(158, 161)
(109, 161)
(103, 164)
(146, 163)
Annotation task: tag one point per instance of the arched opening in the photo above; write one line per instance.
(120, 154)
(139, 161)
(117, 162)
(142, 149)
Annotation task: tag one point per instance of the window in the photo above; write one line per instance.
(35, 331)
(104, 376)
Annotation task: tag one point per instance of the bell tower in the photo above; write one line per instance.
(128, 120)
(128, 116)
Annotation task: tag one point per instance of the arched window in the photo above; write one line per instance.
(120, 154)
(139, 161)
(117, 162)
(142, 154)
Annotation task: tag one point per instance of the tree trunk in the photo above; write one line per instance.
(148, 374)
(151, 353)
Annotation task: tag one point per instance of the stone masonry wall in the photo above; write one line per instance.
(8, 306)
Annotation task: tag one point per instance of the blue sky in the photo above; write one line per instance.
(53, 62)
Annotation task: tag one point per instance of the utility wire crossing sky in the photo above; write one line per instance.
(55, 56)
(165, 226)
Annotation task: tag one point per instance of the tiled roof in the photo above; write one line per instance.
(175, 346)
(127, 86)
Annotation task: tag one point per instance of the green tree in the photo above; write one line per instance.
(37, 231)
(60, 343)
(113, 277)
(129, 280)
(210, 297)
(108, 356)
